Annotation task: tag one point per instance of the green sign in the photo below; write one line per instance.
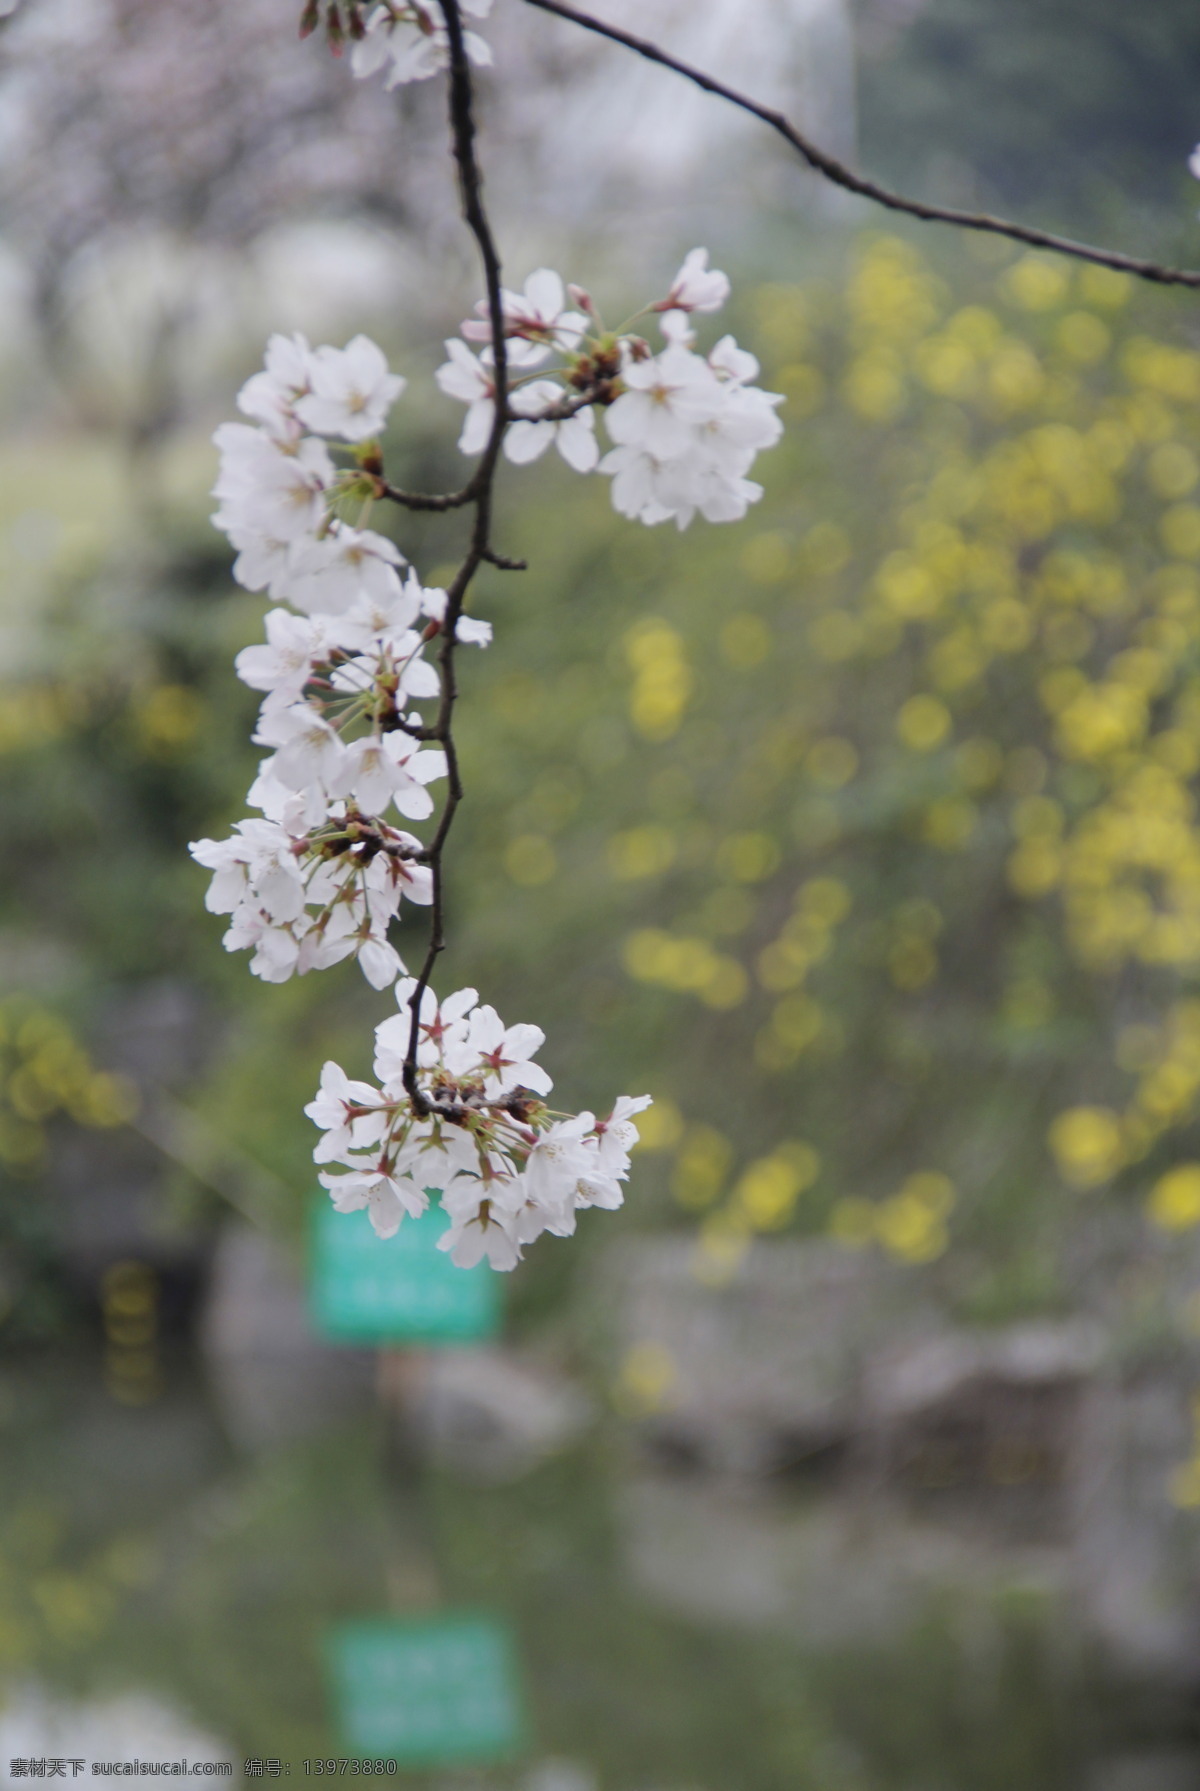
(403, 1289)
(426, 1691)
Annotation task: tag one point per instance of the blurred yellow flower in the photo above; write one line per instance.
(1175, 1198)
(1086, 1142)
(923, 723)
(530, 860)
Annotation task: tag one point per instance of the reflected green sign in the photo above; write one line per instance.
(403, 1289)
(426, 1691)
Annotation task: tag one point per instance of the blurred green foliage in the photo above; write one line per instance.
(1083, 113)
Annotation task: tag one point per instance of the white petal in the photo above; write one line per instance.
(526, 442)
(576, 442)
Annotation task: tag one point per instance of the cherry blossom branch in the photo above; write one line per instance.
(479, 489)
(319, 875)
(821, 162)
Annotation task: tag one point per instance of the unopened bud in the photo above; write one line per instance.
(523, 1104)
(333, 28)
(310, 18)
(582, 297)
(354, 21)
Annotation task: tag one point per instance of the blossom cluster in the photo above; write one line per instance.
(322, 874)
(505, 1167)
(685, 427)
(319, 872)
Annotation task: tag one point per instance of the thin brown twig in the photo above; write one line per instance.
(840, 175)
(429, 500)
(477, 492)
(601, 391)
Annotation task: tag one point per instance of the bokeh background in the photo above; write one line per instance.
(861, 1451)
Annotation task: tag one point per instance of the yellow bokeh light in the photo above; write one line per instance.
(1175, 1198)
(923, 723)
(1086, 1143)
(530, 860)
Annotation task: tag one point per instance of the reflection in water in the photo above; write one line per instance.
(657, 1604)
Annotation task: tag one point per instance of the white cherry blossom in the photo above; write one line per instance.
(282, 666)
(263, 563)
(308, 751)
(643, 487)
(696, 287)
(294, 810)
(386, 1197)
(270, 397)
(331, 574)
(384, 768)
(442, 1026)
(384, 619)
(471, 381)
(268, 489)
(665, 398)
(350, 391)
(535, 320)
(396, 657)
(730, 362)
(411, 42)
(687, 431)
(564, 1155)
(258, 864)
(574, 436)
(378, 960)
(274, 949)
(480, 1230)
(502, 1055)
(337, 1110)
(435, 1155)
